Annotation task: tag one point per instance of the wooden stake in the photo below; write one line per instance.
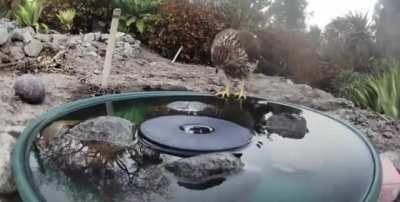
(110, 47)
(177, 54)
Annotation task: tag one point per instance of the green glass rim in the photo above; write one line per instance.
(21, 154)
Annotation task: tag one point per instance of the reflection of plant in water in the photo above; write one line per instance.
(136, 114)
(142, 183)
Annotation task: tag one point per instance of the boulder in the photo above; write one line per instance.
(33, 48)
(23, 34)
(30, 89)
(394, 156)
(287, 125)
(110, 129)
(3, 36)
(8, 24)
(17, 52)
(203, 168)
(7, 184)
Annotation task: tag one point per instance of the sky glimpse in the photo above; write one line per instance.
(326, 10)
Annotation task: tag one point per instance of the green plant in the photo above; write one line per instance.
(28, 14)
(66, 17)
(189, 24)
(348, 41)
(283, 58)
(139, 14)
(91, 15)
(243, 14)
(4, 9)
(380, 93)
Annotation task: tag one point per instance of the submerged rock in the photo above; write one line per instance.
(103, 143)
(189, 107)
(287, 125)
(30, 89)
(204, 168)
(7, 184)
(108, 129)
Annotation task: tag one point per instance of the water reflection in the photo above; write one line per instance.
(291, 148)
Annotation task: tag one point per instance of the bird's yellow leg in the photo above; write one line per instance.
(241, 95)
(225, 92)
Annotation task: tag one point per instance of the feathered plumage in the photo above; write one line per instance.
(235, 52)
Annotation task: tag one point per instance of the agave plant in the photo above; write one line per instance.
(137, 13)
(349, 39)
(380, 93)
(28, 14)
(66, 17)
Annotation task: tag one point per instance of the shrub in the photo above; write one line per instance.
(66, 18)
(290, 54)
(91, 15)
(5, 8)
(28, 14)
(348, 41)
(138, 14)
(191, 25)
(244, 14)
(380, 93)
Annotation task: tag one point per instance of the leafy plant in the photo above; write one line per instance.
(189, 24)
(91, 15)
(348, 41)
(139, 14)
(28, 14)
(380, 93)
(66, 17)
(244, 14)
(5, 9)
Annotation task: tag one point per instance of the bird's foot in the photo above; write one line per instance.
(241, 95)
(223, 93)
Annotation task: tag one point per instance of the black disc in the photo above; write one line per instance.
(191, 135)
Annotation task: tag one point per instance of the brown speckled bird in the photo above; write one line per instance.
(236, 52)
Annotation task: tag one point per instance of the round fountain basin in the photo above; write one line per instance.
(283, 152)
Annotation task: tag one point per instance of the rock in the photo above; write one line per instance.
(4, 58)
(23, 34)
(33, 48)
(43, 37)
(3, 36)
(73, 147)
(109, 129)
(126, 50)
(7, 184)
(394, 156)
(30, 89)
(89, 37)
(14, 131)
(104, 37)
(287, 125)
(59, 38)
(189, 107)
(8, 24)
(202, 168)
(17, 53)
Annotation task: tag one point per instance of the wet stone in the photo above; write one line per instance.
(203, 168)
(287, 125)
(103, 143)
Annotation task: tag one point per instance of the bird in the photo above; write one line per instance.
(236, 53)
